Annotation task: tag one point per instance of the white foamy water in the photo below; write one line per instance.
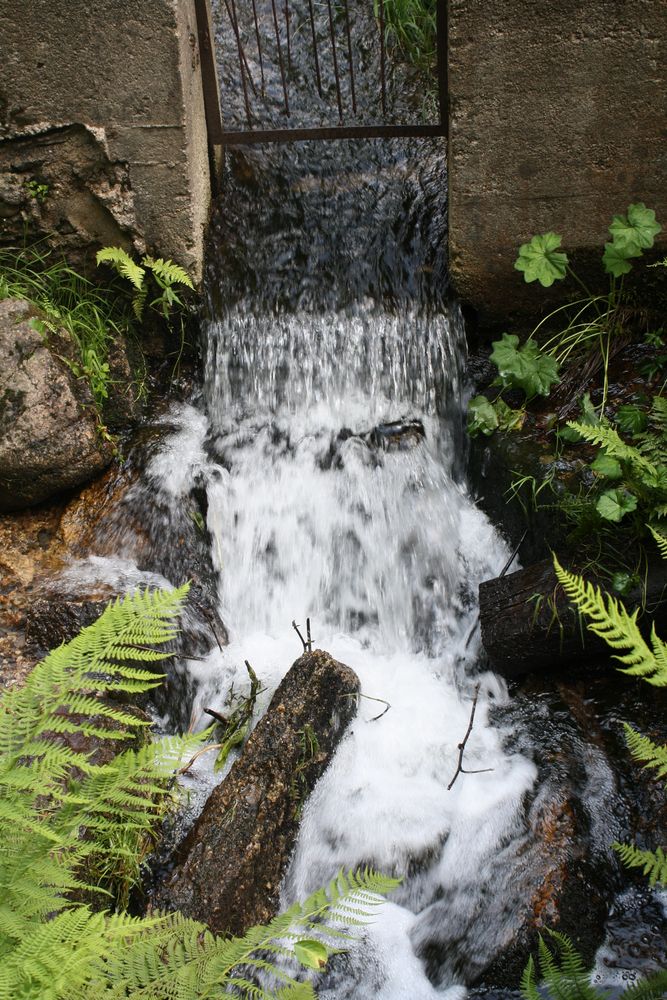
(380, 545)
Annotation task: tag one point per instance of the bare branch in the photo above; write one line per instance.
(462, 746)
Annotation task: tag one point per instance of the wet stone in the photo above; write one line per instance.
(229, 869)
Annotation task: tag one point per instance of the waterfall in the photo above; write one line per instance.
(332, 447)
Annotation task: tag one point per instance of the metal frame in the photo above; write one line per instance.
(219, 136)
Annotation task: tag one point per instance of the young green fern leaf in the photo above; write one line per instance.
(564, 977)
(609, 439)
(652, 863)
(608, 619)
(168, 272)
(643, 749)
(123, 264)
(661, 540)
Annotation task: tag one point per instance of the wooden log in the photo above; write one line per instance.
(528, 624)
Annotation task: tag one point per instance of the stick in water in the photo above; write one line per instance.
(462, 746)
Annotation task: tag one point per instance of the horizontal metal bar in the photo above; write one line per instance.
(336, 132)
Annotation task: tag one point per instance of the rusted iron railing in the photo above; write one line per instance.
(330, 39)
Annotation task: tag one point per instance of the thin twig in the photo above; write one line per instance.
(303, 641)
(500, 576)
(369, 697)
(203, 750)
(462, 746)
(216, 715)
(514, 555)
(310, 641)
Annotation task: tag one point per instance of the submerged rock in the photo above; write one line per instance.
(48, 425)
(229, 868)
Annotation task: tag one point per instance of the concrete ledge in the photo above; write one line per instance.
(130, 72)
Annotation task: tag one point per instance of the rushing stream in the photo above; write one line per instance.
(328, 441)
(382, 548)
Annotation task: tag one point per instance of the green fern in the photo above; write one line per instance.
(123, 264)
(200, 965)
(652, 863)
(646, 751)
(608, 438)
(661, 540)
(564, 977)
(608, 619)
(68, 827)
(166, 274)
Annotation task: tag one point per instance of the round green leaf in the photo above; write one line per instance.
(605, 465)
(623, 582)
(630, 419)
(637, 229)
(311, 954)
(540, 261)
(616, 258)
(508, 419)
(482, 417)
(524, 367)
(613, 505)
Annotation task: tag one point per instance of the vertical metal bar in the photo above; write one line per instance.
(259, 45)
(237, 34)
(383, 59)
(443, 66)
(209, 76)
(349, 56)
(335, 63)
(241, 66)
(280, 55)
(287, 36)
(317, 58)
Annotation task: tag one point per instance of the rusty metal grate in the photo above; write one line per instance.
(263, 34)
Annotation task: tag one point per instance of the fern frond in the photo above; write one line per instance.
(70, 827)
(563, 973)
(139, 302)
(653, 988)
(652, 863)
(97, 659)
(661, 540)
(645, 750)
(169, 272)
(608, 438)
(211, 962)
(123, 264)
(610, 621)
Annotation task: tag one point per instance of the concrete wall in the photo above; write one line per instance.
(558, 120)
(120, 78)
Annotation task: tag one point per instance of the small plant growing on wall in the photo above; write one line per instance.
(164, 276)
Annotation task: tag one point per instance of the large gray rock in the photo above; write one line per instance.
(230, 866)
(48, 425)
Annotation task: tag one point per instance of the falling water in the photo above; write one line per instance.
(332, 447)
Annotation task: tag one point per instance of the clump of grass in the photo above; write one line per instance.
(411, 26)
(92, 317)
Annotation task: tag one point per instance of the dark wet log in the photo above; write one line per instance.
(230, 866)
(527, 623)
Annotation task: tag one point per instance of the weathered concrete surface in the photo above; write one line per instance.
(231, 864)
(557, 121)
(49, 441)
(124, 79)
